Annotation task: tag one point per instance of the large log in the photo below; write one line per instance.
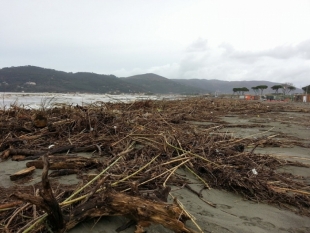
(145, 212)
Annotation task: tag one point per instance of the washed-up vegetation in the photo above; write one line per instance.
(136, 151)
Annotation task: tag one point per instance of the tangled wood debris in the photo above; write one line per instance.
(136, 151)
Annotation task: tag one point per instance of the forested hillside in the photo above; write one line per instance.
(36, 79)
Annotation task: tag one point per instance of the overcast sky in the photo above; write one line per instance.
(226, 40)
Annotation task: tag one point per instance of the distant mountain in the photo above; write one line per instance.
(225, 87)
(37, 79)
(153, 83)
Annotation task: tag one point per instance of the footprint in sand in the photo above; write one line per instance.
(206, 213)
(302, 230)
(225, 207)
(257, 222)
(283, 230)
(215, 228)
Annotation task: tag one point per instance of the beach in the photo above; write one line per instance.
(283, 130)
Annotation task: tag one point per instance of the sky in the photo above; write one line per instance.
(178, 39)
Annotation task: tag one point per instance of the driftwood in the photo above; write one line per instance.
(53, 208)
(22, 173)
(34, 154)
(65, 162)
(10, 205)
(18, 157)
(47, 200)
(144, 212)
(63, 172)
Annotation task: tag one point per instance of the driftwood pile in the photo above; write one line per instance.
(136, 150)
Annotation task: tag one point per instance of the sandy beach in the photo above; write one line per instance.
(218, 210)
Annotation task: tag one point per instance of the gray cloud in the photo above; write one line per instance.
(200, 45)
(301, 50)
(280, 64)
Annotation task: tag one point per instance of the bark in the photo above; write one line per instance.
(54, 211)
(63, 172)
(144, 212)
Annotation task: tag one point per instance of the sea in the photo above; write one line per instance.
(49, 100)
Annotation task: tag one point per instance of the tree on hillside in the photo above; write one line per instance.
(236, 89)
(255, 89)
(306, 89)
(276, 88)
(244, 89)
(262, 88)
(240, 90)
(287, 88)
(291, 88)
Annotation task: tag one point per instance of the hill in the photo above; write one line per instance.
(154, 83)
(37, 79)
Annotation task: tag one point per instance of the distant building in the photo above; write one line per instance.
(302, 98)
(249, 97)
